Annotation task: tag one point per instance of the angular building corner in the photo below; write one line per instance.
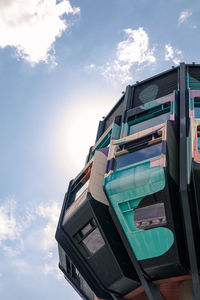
(130, 222)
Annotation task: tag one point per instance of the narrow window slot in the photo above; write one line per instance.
(197, 107)
(198, 138)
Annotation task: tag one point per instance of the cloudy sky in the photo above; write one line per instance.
(63, 65)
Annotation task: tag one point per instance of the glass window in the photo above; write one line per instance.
(149, 123)
(81, 190)
(198, 138)
(71, 269)
(150, 216)
(68, 265)
(104, 143)
(139, 155)
(93, 242)
(197, 107)
(90, 238)
(86, 229)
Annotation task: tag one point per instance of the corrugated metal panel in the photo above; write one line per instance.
(155, 88)
(194, 78)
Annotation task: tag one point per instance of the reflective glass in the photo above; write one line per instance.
(93, 242)
(197, 112)
(149, 123)
(150, 216)
(198, 141)
(82, 189)
(139, 155)
(86, 229)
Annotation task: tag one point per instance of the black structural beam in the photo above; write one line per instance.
(150, 288)
(184, 185)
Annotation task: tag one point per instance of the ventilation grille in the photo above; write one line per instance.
(155, 88)
(194, 78)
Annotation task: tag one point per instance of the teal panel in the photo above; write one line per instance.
(115, 132)
(125, 189)
(104, 143)
(191, 104)
(194, 84)
(124, 129)
(135, 181)
(172, 107)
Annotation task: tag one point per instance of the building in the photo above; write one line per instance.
(130, 222)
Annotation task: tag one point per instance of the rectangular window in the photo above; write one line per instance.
(153, 121)
(104, 143)
(71, 269)
(198, 138)
(90, 238)
(68, 265)
(138, 155)
(93, 242)
(197, 107)
(150, 216)
(81, 190)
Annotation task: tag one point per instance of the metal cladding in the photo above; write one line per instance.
(142, 188)
(130, 222)
(89, 228)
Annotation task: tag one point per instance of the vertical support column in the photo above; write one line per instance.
(128, 97)
(151, 290)
(183, 184)
(100, 130)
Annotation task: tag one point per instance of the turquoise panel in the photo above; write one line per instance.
(194, 84)
(124, 129)
(191, 103)
(115, 132)
(104, 143)
(126, 188)
(135, 181)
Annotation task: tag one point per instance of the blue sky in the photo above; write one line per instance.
(63, 65)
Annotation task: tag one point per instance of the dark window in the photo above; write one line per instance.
(68, 265)
(139, 155)
(149, 123)
(198, 138)
(150, 216)
(197, 107)
(71, 269)
(90, 238)
(93, 242)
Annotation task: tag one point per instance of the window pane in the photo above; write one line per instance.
(149, 123)
(139, 155)
(198, 141)
(93, 242)
(86, 229)
(197, 112)
(82, 189)
(150, 216)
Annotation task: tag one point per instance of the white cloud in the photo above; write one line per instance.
(184, 15)
(175, 55)
(9, 228)
(133, 51)
(50, 212)
(32, 26)
(92, 66)
(51, 268)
